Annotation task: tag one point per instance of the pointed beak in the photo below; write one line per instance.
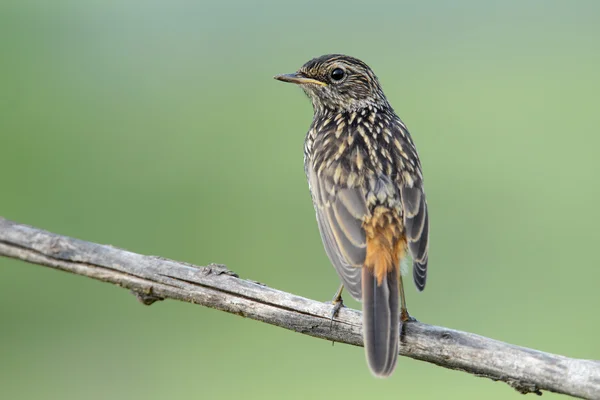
(298, 79)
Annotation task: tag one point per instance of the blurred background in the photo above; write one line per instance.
(157, 127)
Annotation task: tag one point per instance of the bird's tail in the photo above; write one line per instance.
(381, 314)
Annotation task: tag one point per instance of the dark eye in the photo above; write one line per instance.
(338, 74)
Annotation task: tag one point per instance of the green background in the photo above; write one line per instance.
(156, 126)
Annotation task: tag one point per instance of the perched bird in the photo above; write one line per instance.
(366, 183)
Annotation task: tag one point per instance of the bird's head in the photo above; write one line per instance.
(338, 83)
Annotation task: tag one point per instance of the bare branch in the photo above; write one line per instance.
(154, 278)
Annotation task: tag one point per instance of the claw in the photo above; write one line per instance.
(338, 303)
(405, 316)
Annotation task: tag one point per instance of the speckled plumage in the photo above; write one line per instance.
(366, 183)
(368, 149)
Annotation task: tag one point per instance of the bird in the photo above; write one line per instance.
(366, 184)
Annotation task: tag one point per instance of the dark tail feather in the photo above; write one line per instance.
(381, 320)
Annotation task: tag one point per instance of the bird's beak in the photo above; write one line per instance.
(298, 79)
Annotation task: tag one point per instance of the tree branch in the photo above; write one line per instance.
(154, 278)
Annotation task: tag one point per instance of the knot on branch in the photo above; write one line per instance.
(145, 296)
(218, 269)
(524, 387)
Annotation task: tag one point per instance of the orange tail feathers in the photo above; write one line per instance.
(380, 292)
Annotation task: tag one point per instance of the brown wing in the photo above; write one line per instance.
(340, 213)
(416, 224)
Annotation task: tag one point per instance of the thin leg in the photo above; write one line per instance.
(404, 315)
(337, 302)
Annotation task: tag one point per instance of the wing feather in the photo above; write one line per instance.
(339, 216)
(416, 224)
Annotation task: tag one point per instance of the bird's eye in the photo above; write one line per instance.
(338, 74)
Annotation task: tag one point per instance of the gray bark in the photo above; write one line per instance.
(154, 278)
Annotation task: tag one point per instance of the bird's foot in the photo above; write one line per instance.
(338, 303)
(405, 316)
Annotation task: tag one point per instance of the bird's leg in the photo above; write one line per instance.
(337, 302)
(404, 315)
